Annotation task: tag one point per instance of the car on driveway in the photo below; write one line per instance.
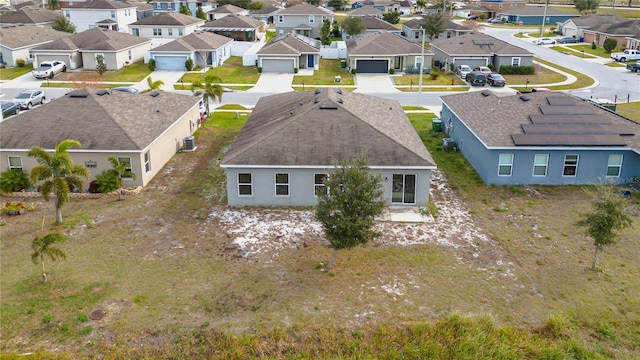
(9, 108)
(476, 78)
(463, 70)
(568, 40)
(494, 21)
(496, 80)
(28, 98)
(545, 41)
(483, 69)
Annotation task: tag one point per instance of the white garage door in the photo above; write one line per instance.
(170, 62)
(277, 65)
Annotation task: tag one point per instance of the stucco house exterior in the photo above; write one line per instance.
(533, 15)
(303, 19)
(206, 49)
(499, 6)
(143, 130)
(546, 138)
(380, 52)
(225, 10)
(575, 26)
(112, 15)
(292, 140)
(383, 5)
(30, 17)
(285, 53)
(80, 50)
(169, 25)
(626, 33)
(411, 30)
(17, 41)
(478, 49)
(236, 27)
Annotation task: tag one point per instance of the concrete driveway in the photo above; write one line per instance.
(273, 83)
(375, 83)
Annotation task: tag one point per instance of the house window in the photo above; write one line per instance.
(91, 26)
(500, 6)
(157, 32)
(280, 32)
(318, 184)
(505, 164)
(245, 186)
(164, 6)
(614, 165)
(113, 14)
(282, 184)
(515, 61)
(417, 35)
(280, 18)
(147, 162)
(312, 19)
(180, 33)
(129, 54)
(126, 161)
(66, 13)
(540, 162)
(170, 31)
(135, 31)
(15, 163)
(570, 165)
(99, 55)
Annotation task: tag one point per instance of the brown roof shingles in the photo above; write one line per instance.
(464, 44)
(15, 37)
(383, 43)
(95, 39)
(195, 41)
(292, 129)
(235, 22)
(169, 19)
(290, 44)
(304, 9)
(29, 16)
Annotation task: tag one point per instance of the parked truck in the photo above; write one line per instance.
(626, 55)
(48, 69)
(634, 67)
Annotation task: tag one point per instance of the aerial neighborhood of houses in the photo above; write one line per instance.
(544, 137)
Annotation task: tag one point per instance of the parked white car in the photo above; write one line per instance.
(28, 98)
(545, 41)
(463, 70)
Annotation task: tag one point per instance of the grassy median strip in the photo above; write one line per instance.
(581, 82)
(231, 72)
(326, 75)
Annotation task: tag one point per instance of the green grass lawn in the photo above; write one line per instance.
(325, 75)
(615, 64)
(231, 72)
(132, 73)
(623, 12)
(581, 82)
(573, 52)
(443, 80)
(598, 51)
(73, 85)
(542, 76)
(630, 110)
(537, 34)
(14, 72)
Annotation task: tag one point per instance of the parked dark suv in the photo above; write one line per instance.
(476, 78)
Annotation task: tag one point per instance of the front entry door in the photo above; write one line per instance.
(404, 189)
(310, 63)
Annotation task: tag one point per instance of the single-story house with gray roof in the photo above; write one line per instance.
(546, 138)
(236, 27)
(575, 25)
(30, 17)
(206, 49)
(168, 25)
(366, 10)
(626, 33)
(17, 41)
(478, 49)
(142, 130)
(285, 53)
(373, 25)
(412, 30)
(292, 140)
(380, 52)
(533, 15)
(80, 50)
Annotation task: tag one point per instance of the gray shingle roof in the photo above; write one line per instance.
(99, 4)
(169, 19)
(630, 28)
(234, 22)
(464, 44)
(293, 129)
(494, 119)
(195, 41)
(227, 9)
(414, 24)
(268, 9)
(290, 44)
(374, 23)
(15, 37)
(383, 43)
(597, 19)
(537, 11)
(365, 10)
(120, 121)
(95, 39)
(29, 16)
(304, 9)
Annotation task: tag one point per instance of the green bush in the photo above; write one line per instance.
(434, 74)
(259, 69)
(106, 182)
(517, 70)
(295, 70)
(354, 71)
(21, 62)
(152, 65)
(609, 44)
(14, 180)
(392, 71)
(188, 64)
(593, 46)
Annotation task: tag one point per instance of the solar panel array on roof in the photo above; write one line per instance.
(568, 119)
(567, 140)
(483, 41)
(560, 100)
(565, 110)
(588, 129)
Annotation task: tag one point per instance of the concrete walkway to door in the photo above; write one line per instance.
(273, 83)
(375, 83)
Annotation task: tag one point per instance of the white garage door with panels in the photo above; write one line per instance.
(164, 62)
(278, 65)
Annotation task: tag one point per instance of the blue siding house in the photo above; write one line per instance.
(532, 15)
(548, 138)
(162, 6)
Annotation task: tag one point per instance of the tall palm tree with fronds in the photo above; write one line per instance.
(154, 85)
(120, 170)
(210, 89)
(58, 172)
(43, 246)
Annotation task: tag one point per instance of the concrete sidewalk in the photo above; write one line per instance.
(273, 83)
(167, 76)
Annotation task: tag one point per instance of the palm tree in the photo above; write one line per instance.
(44, 246)
(58, 172)
(210, 89)
(154, 85)
(120, 170)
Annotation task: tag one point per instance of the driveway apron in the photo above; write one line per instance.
(273, 83)
(375, 83)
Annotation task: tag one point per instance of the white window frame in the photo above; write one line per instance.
(502, 163)
(113, 14)
(249, 185)
(135, 31)
(317, 186)
(170, 31)
(500, 6)
(129, 54)
(14, 167)
(570, 164)
(312, 19)
(66, 14)
(283, 185)
(537, 165)
(516, 61)
(180, 32)
(617, 165)
(125, 160)
(147, 161)
(95, 57)
(157, 31)
(280, 18)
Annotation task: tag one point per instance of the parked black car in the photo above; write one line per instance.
(476, 78)
(9, 108)
(494, 79)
